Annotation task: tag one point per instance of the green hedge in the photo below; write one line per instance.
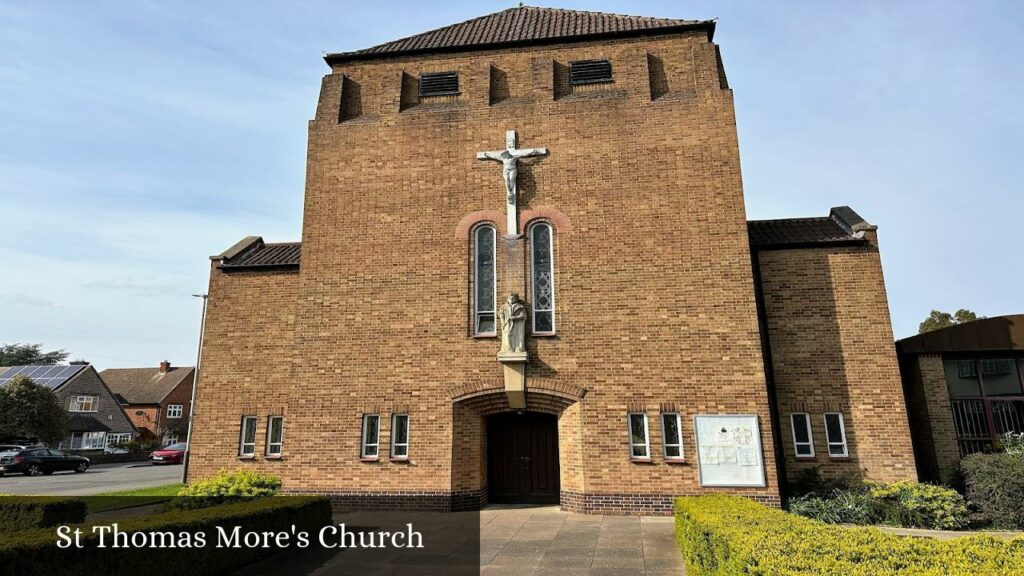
(906, 504)
(731, 536)
(995, 484)
(19, 513)
(36, 552)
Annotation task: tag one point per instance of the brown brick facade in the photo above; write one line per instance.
(655, 299)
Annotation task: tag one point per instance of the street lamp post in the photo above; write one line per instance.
(195, 384)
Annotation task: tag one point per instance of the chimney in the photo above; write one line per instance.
(165, 366)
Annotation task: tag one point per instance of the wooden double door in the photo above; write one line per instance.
(522, 458)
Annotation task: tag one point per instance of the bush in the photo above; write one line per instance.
(728, 535)
(36, 553)
(19, 513)
(226, 487)
(906, 504)
(995, 484)
(1013, 443)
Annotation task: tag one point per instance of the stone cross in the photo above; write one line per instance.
(509, 158)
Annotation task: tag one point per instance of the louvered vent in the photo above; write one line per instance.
(439, 84)
(590, 72)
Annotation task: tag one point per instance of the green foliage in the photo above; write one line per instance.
(937, 320)
(906, 504)
(35, 553)
(226, 487)
(19, 513)
(28, 409)
(1013, 444)
(810, 481)
(839, 507)
(732, 536)
(23, 354)
(995, 484)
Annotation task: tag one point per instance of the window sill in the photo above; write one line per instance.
(544, 334)
(640, 460)
(485, 336)
(247, 457)
(274, 457)
(369, 459)
(676, 461)
(399, 459)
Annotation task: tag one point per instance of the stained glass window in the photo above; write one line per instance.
(484, 280)
(543, 279)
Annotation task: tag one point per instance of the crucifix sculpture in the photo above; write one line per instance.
(509, 158)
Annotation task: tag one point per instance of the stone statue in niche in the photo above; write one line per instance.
(512, 316)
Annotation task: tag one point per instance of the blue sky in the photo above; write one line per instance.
(137, 139)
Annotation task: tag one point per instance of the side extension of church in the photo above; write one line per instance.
(363, 363)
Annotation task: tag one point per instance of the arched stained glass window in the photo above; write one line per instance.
(543, 274)
(484, 281)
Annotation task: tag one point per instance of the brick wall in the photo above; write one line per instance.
(832, 351)
(931, 417)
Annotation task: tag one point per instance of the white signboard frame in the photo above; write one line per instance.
(730, 459)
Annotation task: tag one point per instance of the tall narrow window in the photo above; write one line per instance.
(399, 436)
(275, 436)
(247, 437)
(835, 433)
(672, 436)
(543, 279)
(803, 440)
(484, 281)
(371, 436)
(639, 446)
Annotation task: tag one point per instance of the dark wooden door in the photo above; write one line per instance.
(522, 458)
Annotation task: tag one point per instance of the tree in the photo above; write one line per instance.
(28, 409)
(937, 320)
(23, 354)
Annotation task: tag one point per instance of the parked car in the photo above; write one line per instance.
(9, 451)
(172, 454)
(37, 461)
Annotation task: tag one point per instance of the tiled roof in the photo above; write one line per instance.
(523, 25)
(144, 385)
(252, 252)
(842, 225)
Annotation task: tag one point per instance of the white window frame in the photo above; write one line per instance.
(244, 449)
(629, 436)
(364, 445)
(75, 403)
(271, 452)
(175, 410)
(810, 435)
(665, 445)
(170, 439)
(533, 278)
(394, 443)
(94, 440)
(115, 438)
(477, 311)
(842, 429)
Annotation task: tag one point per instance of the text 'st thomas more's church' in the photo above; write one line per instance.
(526, 275)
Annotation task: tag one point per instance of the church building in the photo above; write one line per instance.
(526, 275)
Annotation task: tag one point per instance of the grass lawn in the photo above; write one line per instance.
(129, 498)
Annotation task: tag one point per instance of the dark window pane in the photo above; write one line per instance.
(961, 378)
(671, 427)
(543, 322)
(484, 279)
(636, 429)
(803, 449)
(999, 377)
(672, 451)
(836, 450)
(800, 428)
(543, 278)
(401, 430)
(371, 429)
(485, 324)
(250, 430)
(833, 428)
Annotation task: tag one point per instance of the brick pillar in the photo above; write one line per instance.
(940, 415)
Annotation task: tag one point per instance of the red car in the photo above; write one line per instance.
(171, 454)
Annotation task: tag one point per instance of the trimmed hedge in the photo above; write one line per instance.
(19, 513)
(731, 536)
(906, 504)
(224, 487)
(995, 484)
(36, 552)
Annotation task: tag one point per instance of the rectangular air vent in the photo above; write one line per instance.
(439, 84)
(590, 72)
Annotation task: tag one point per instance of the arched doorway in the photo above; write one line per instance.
(522, 458)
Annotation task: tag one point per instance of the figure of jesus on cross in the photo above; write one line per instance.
(509, 158)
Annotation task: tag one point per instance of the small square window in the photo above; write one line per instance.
(639, 444)
(399, 436)
(371, 436)
(672, 436)
(246, 437)
(584, 72)
(803, 438)
(835, 434)
(174, 410)
(439, 84)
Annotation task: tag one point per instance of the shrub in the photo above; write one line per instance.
(1013, 443)
(731, 536)
(995, 484)
(36, 553)
(906, 504)
(227, 487)
(19, 513)
(840, 507)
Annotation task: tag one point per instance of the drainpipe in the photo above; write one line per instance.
(195, 384)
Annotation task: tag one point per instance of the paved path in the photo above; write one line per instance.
(99, 478)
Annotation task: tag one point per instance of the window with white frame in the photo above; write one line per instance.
(672, 436)
(399, 436)
(835, 434)
(371, 436)
(803, 439)
(484, 280)
(83, 403)
(170, 439)
(543, 277)
(174, 410)
(275, 435)
(246, 437)
(639, 444)
(115, 439)
(93, 440)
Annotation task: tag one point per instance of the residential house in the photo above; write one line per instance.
(156, 399)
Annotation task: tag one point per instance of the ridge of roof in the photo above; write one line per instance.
(144, 385)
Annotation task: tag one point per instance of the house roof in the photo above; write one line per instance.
(85, 423)
(841, 226)
(144, 385)
(523, 25)
(253, 253)
(52, 376)
(998, 334)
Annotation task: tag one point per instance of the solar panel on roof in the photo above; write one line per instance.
(51, 376)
